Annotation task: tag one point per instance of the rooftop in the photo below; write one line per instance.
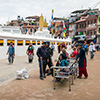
(33, 17)
(82, 20)
(79, 11)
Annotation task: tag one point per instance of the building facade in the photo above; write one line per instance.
(72, 29)
(91, 26)
(81, 26)
(98, 28)
(30, 25)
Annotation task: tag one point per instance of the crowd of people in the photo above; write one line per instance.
(45, 53)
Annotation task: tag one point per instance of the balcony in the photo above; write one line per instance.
(91, 26)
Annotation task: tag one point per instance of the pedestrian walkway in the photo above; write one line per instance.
(8, 72)
(36, 89)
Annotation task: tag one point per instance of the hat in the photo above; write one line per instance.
(44, 42)
(48, 43)
(11, 42)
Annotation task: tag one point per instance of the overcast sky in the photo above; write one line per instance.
(10, 9)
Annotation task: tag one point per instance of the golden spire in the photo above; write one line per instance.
(45, 23)
(52, 11)
(41, 22)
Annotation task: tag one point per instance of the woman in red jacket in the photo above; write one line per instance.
(74, 53)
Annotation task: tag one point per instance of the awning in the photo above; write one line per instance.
(20, 41)
(80, 35)
(8, 41)
(1, 41)
(27, 41)
(33, 41)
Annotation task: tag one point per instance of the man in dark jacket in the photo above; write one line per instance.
(41, 53)
(49, 55)
(82, 62)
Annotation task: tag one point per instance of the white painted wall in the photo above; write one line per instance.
(19, 50)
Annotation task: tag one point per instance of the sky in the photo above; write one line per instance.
(10, 9)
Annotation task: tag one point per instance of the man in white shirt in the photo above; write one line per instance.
(92, 50)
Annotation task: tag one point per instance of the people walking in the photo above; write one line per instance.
(41, 53)
(11, 52)
(91, 50)
(82, 62)
(30, 52)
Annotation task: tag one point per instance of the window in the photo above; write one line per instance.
(95, 20)
(34, 30)
(38, 42)
(91, 32)
(27, 42)
(94, 32)
(8, 42)
(31, 30)
(80, 25)
(34, 42)
(1, 42)
(76, 26)
(88, 22)
(99, 30)
(85, 24)
(88, 32)
(91, 21)
(76, 33)
(19, 42)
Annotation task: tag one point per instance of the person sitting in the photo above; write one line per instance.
(62, 63)
(64, 55)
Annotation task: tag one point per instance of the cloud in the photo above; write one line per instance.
(10, 9)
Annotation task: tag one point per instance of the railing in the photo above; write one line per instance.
(10, 29)
(92, 25)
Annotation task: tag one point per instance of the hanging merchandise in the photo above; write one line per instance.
(52, 23)
(64, 29)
